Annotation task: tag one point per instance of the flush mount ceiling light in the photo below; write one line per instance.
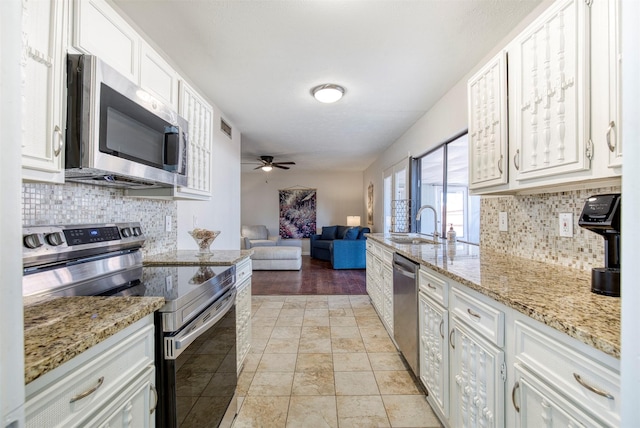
(328, 93)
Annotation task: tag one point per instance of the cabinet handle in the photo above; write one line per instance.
(515, 160)
(473, 313)
(431, 286)
(453, 345)
(441, 325)
(500, 164)
(593, 388)
(155, 402)
(516, 386)
(57, 132)
(612, 125)
(88, 391)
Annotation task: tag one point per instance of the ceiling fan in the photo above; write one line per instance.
(268, 164)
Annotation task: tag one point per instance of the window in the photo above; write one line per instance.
(441, 180)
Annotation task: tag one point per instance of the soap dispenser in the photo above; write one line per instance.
(451, 234)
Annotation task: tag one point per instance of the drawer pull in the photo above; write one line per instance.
(431, 286)
(612, 125)
(88, 391)
(441, 325)
(155, 402)
(453, 345)
(500, 164)
(516, 386)
(593, 388)
(516, 163)
(57, 148)
(473, 313)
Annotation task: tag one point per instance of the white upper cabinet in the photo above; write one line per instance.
(488, 134)
(549, 78)
(43, 65)
(158, 77)
(100, 31)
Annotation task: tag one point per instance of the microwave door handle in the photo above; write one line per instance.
(182, 342)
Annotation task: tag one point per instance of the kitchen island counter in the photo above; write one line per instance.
(60, 328)
(557, 296)
(192, 258)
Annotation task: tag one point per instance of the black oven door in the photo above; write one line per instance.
(197, 369)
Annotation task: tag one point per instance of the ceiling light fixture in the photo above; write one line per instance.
(267, 168)
(328, 93)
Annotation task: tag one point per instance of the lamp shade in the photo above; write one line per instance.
(353, 220)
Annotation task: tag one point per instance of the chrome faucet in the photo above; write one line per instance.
(435, 219)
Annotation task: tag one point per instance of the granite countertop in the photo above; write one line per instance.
(58, 329)
(191, 258)
(557, 296)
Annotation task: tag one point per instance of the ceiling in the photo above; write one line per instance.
(258, 60)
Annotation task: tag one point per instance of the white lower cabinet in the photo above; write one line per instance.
(243, 311)
(380, 282)
(110, 384)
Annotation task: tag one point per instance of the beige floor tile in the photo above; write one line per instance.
(310, 313)
(319, 382)
(271, 384)
(374, 331)
(369, 321)
(273, 305)
(386, 361)
(286, 332)
(260, 332)
(314, 346)
(314, 362)
(361, 412)
(342, 321)
(258, 345)
(271, 298)
(267, 312)
(316, 412)
(397, 382)
(295, 298)
(263, 412)
(315, 322)
(251, 362)
(317, 305)
(277, 362)
(244, 382)
(336, 302)
(316, 332)
(410, 411)
(341, 312)
(295, 305)
(378, 344)
(264, 321)
(360, 301)
(345, 332)
(282, 346)
(289, 321)
(318, 298)
(351, 362)
(366, 311)
(341, 344)
(356, 383)
(292, 312)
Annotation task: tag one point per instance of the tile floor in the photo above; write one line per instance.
(325, 361)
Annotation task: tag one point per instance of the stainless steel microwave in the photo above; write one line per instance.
(117, 133)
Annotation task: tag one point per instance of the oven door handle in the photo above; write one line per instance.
(174, 345)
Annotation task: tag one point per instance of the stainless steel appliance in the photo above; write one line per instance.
(405, 309)
(601, 214)
(117, 133)
(195, 329)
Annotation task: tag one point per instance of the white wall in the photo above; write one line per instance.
(339, 194)
(222, 212)
(11, 316)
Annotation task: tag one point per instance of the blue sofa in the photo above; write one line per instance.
(343, 246)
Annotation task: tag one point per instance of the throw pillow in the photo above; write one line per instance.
(362, 232)
(352, 234)
(341, 231)
(329, 232)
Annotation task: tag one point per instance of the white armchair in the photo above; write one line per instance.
(257, 236)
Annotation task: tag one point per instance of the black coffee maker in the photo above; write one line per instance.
(601, 214)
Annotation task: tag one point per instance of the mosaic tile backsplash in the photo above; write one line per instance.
(534, 228)
(73, 203)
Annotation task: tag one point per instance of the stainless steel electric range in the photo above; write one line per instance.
(195, 330)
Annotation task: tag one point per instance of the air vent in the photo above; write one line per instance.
(225, 127)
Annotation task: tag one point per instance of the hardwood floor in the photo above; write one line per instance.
(315, 277)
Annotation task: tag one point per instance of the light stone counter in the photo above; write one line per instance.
(191, 258)
(58, 329)
(557, 296)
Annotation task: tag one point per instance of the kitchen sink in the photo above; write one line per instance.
(412, 239)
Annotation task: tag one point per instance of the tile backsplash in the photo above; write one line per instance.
(73, 203)
(534, 228)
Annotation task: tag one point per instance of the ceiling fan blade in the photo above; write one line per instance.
(258, 167)
(279, 166)
(284, 163)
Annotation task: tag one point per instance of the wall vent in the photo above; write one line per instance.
(225, 127)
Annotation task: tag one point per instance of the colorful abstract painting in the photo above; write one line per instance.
(297, 213)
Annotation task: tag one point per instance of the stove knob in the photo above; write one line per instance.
(126, 232)
(33, 240)
(54, 238)
(137, 231)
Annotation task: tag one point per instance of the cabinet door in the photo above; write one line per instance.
(100, 31)
(45, 28)
(243, 321)
(477, 380)
(387, 297)
(158, 77)
(538, 405)
(200, 116)
(549, 74)
(487, 92)
(433, 325)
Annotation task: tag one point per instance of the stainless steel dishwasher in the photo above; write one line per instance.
(405, 309)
